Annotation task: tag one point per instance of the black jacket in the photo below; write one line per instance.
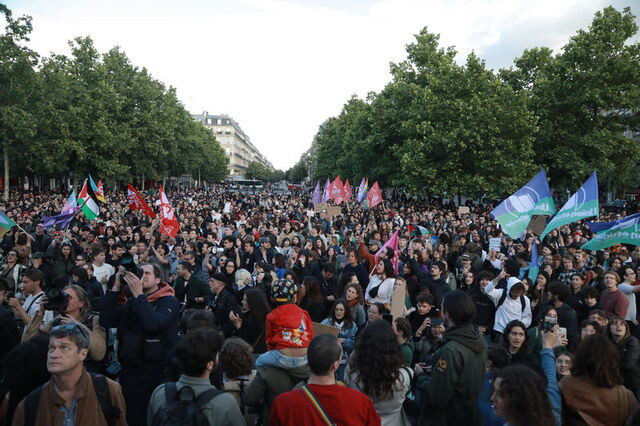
(147, 331)
(437, 287)
(9, 334)
(221, 305)
(194, 287)
(485, 308)
(629, 353)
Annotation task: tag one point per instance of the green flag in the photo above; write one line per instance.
(621, 231)
(582, 204)
(5, 224)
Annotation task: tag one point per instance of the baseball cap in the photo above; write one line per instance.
(283, 291)
(37, 255)
(374, 242)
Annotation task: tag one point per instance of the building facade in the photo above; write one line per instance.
(234, 141)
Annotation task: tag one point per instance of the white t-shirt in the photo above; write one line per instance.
(385, 290)
(99, 272)
(32, 305)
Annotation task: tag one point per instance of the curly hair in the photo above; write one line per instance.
(525, 390)
(597, 360)
(236, 358)
(377, 360)
(511, 325)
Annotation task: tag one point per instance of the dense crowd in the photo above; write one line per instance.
(263, 311)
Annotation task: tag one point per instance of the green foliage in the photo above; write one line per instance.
(439, 126)
(258, 171)
(585, 98)
(97, 113)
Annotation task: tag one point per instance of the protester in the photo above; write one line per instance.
(147, 331)
(376, 369)
(322, 400)
(72, 396)
(452, 387)
(593, 394)
(198, 354)
(340, 317)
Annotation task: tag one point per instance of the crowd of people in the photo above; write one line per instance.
(262, 311)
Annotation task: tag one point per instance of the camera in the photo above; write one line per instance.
(549, 322)
(57, 299)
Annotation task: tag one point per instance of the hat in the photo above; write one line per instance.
(283, 291)
(37, 255)
(374, 242)
(465, 257)
(435, 322)
(264, 239)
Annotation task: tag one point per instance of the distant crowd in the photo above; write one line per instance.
(264, 311)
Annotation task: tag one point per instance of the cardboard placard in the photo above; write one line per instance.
(331, 211)
(537, 224)
(319, 329)
(397, 301)
(463, 210)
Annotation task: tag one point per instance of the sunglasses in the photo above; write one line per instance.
(70, 327)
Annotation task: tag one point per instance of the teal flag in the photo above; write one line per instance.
(582, 204)
(621, 231)
(534, 265)
(514, 213)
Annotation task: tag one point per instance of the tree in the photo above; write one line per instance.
(586, 97)
(17, 84)
(257, 171)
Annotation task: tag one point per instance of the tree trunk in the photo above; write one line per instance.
(6, 174)
(142, 186)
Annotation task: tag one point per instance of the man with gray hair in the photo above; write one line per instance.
(72, 396)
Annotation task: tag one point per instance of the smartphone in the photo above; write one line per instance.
(388, 318)
(562, 332)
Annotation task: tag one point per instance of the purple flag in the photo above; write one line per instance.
(326, 195)
(60, 221)
(317, 194)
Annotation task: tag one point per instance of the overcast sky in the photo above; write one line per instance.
(280, 68)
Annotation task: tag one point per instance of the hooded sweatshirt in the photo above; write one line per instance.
(511, 309)
(452, 390)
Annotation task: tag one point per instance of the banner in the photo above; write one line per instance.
(362, 190)
(317, 194)
(169, 225)
(393, 243)
(336, 190)
(582, 204)
(136, 202)
(374, 196)
(326, 195)
(514, 213)
(347, 191)
(621, 231)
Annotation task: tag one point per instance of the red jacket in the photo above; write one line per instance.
(288, 326)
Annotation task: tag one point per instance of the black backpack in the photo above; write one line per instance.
(183, 408)
(111, 412)
(523, 303)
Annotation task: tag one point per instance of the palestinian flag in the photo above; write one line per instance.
(5, 224)
(87, 199)
(417, 230)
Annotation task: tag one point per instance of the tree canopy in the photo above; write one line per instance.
(69, 115)
(443, 127)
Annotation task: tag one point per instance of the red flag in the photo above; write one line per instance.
(100, 193)
(347, 191)
(393, 243)
(374, 196)
(169, 225)
(336, 190)
(136, 202)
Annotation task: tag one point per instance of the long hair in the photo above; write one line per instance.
(258, 304)
(527, 395)
(377, 360)
(312, 289)
(347, 320)
(82, 296)
(511, 325)
(597, 360)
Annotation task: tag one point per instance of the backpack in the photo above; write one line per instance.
(183, 408)
(111, 412)
(504, 297)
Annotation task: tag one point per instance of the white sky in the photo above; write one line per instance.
(280, 68)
